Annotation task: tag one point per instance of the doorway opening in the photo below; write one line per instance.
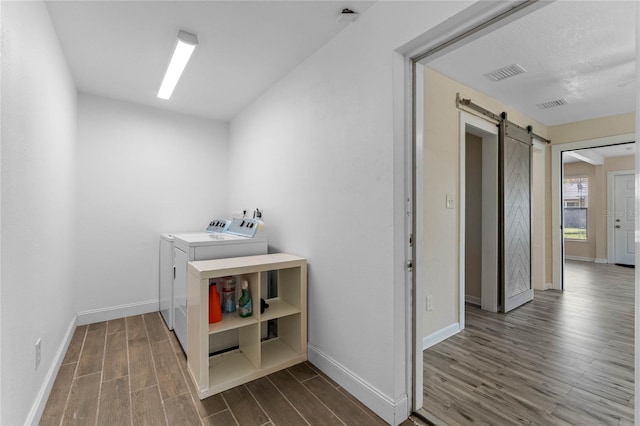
(596, 219)
(418, 303)
(472, 23)
(479, 244)
(479, 218)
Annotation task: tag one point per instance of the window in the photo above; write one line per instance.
(576, 201)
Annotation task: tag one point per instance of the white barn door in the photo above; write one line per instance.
(515, 144)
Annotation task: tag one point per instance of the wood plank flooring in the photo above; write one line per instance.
(566, 358)
(132, 371)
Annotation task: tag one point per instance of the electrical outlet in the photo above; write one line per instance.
(38, 352)
(429, 303)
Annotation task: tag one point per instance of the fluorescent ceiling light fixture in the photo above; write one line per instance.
(184, 48)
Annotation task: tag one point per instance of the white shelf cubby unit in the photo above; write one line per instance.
(255, 357)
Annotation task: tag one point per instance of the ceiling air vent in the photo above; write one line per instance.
(553, 104)
(505, 72)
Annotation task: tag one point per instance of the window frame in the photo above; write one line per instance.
(583, 204)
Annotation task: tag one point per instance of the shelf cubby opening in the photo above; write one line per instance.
(289, 286)
(276, 351)
(229, 366)
(286, 343)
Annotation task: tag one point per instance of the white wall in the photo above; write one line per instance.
(316, 153)
(37, 209)
(141, 172)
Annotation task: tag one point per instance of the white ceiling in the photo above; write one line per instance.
(120, 49)
(578, 50)
(582, 51)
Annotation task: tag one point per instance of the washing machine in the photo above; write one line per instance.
(240, 237)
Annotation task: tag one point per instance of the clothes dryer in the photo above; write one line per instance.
(242, 237)
(167, 268)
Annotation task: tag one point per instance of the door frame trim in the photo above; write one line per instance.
(539, 146)
(557, 243)
(610, 207)
(488, 130)
(417, 292)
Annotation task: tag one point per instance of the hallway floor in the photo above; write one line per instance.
(132, 371)
(566, 358)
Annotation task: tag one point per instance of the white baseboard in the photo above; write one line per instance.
(601, 261)
(392, 411)
(33, 418)
(115, 312)
(440, 335)
(473, 300)
(579, 258)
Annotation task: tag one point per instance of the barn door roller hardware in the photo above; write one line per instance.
(494, 117)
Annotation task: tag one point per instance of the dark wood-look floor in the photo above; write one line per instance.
(132, 371)
(564, 358)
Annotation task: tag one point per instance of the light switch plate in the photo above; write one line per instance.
(449, 200)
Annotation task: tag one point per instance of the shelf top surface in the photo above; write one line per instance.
(262, 262)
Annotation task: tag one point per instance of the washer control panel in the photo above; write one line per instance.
(249, 228)
(218, 225)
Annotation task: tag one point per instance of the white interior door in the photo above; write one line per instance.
(624, 219)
